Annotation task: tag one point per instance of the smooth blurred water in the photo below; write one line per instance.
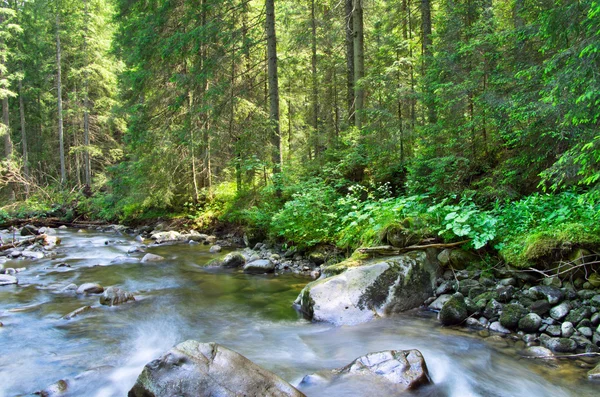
(101, 353)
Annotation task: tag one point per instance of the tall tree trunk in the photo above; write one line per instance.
(273, 86)
(426, 50)
(63, 176)
(315, 92)
(359, 61)
(86, 105)
(8, 145)
(24, 137)
(349, 23)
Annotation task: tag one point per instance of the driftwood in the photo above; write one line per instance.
(21, 243)
(389, 250)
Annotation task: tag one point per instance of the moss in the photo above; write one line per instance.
(548, 246)
(377, 293)
(357, 259)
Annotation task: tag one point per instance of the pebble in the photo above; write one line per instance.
(497, 327)
(567, 329)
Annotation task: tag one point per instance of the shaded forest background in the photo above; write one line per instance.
(451, 118)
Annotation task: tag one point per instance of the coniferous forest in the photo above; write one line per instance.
(310, 122)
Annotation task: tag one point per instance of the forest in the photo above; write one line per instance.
(310, 122)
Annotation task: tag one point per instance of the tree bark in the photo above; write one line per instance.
(426, 49)
(273, 86)
(86, 106)
(23, 136)
(63, 176)
(315, 91)
(359, 61)
(349, 23)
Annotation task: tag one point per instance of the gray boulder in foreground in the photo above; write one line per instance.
(194, 369)
(389, 372)
(377, 288)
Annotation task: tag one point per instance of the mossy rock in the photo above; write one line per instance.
(454, 310)
(511, 314)
(357, 259)
(406, 233)
(544, 248)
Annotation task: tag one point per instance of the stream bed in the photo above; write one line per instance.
(100, 353)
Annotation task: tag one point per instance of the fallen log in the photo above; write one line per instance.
(21, 243)
(50, 222)
(389, 250)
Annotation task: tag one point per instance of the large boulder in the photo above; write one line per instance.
(377, 287)
(388, 372)
(259, 266)
(114, 296)
(194, 369)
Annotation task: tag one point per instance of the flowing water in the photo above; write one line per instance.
(101, 353)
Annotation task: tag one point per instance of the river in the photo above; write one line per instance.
(101, 353)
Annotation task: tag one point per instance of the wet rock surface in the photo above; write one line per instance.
(194, 369)
(393, 370)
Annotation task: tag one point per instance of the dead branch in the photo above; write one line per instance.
(563, 356)
(22, 242)
(389, 250)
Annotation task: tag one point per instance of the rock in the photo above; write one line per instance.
(114, 296)
(567, 329)
(32, 254)
(445, 287)
(454, 310)
(194, 369)
(537, 351)
(133, 250)
(505, 294)
(561, 345)
(152, 258)
(466, 285)
(139, 239)
(215, 249)
(233, 259)
(166, 237)
(559, 312)
(594, 373)
(552, 282)
(377, 288)
(554, 330)
(394, 371)
(551, 294)
(511, 315)
(540, 307)
(5, 279)
(259, 267)
(585, 331)
(29, 230)
(439, 302)
(492, 308)
(508, 281)
(457, 258)
(530, 323)
(402, 234)
(497, 327)
(90, 288)
(575, 316)
(77, 312)
(56, 389)
(595, 319)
